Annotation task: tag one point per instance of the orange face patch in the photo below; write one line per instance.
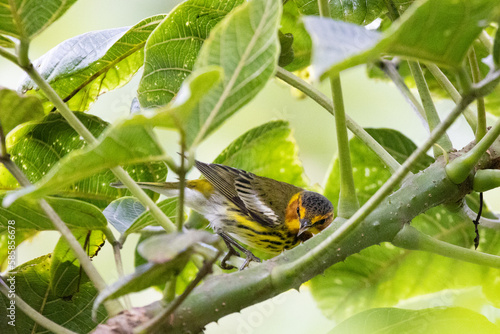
(291, 218)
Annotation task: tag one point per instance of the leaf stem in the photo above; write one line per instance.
(327, 104)
(430, 109)
(387, 188)
(348, 201)
(446, 84)
(118, 258)
(34, 314)
(411, 238)
(75, 123)
(392, 73)
(486, 40)
(481, 110)
(182, 183)
(9, 56)
(459, 169)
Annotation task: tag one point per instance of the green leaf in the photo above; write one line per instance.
(175, 114)
(6, 43)
(168, 206)
(123, 212)
(436, 31)
(368, 170)
(382, 276)
(86, 66)
(496, 49)
(29, 216)
(32, 284)
(286, 50)
(166, 247)
(18, 109)
(66, 274)
(245, 44)
(171, 51)
(268, 150)
(291, 22)
(354, 11)
(132, 145)
(25, 19)
(399, 146)
(452, 320)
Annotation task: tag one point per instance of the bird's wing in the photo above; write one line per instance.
(241, 188)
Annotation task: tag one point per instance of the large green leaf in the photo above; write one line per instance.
(436, 31)
(453, 320)
(66, 274)
(130, 141)
(291, 23)
(354, 11)
(27, 18)
(18, 109)
(86, 66)
(245, 44)
(32, 284)
(41, 148)
(268, 150)
(172, 48)
(29, 216)
(382, 276)
(368, 170)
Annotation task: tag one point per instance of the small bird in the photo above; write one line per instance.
(260, 212)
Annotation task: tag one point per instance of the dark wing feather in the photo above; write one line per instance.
(247, 191)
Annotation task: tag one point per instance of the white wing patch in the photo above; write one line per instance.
(253, 202)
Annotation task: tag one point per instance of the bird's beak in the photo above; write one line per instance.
(304, 226)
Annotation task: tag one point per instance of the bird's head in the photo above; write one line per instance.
(314, 212)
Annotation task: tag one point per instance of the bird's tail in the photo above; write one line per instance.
(168, 189)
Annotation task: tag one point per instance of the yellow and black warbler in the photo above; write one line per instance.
(260, 212)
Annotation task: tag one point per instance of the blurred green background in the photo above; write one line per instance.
(370, 103)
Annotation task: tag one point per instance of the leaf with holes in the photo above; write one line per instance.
(66, 274)
(51, 153)
(32, 281)
(360, 12)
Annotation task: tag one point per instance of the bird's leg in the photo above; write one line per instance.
(231, 244)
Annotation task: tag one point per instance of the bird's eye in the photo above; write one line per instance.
(298, 211)
(320, 222)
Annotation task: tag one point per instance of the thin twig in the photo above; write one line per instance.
(153, 324)
(327, 104)
(481, 110)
